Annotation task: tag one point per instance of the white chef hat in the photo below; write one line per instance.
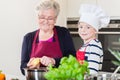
(94, 16)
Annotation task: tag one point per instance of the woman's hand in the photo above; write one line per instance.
(47, 61)
(34, 63)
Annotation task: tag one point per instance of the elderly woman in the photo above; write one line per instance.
(49, 43)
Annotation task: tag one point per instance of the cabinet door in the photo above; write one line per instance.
(112, 7)
(74, 5)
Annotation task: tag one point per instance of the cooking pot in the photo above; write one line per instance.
(35, 74)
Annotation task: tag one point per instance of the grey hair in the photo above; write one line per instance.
(49, 4)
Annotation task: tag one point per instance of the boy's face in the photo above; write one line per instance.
(86, 32)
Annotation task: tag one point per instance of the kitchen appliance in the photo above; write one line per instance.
(110, 38)
(72, 25)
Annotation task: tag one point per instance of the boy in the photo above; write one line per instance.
(92, 18)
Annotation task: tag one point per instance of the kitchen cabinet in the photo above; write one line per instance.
(74, 5)
(112, 7)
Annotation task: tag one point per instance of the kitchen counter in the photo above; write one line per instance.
(9, 77)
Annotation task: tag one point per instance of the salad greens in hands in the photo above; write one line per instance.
(69, 69)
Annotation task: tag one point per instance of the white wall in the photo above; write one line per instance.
(111, 7)
(17, 17)
(63, 13)
(74, 5)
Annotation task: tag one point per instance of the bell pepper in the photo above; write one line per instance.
(2, 75)
(80, 56)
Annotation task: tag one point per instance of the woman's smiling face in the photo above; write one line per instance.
(47, 19)
(86, 32)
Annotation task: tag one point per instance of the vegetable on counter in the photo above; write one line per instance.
(69, 69)
(2, 75)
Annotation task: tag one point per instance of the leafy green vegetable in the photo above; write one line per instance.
(116, 54)
(69, 69)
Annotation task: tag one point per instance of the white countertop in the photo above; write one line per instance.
(9, 77)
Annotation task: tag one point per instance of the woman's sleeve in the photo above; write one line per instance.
(24, 54)
(68, 44)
